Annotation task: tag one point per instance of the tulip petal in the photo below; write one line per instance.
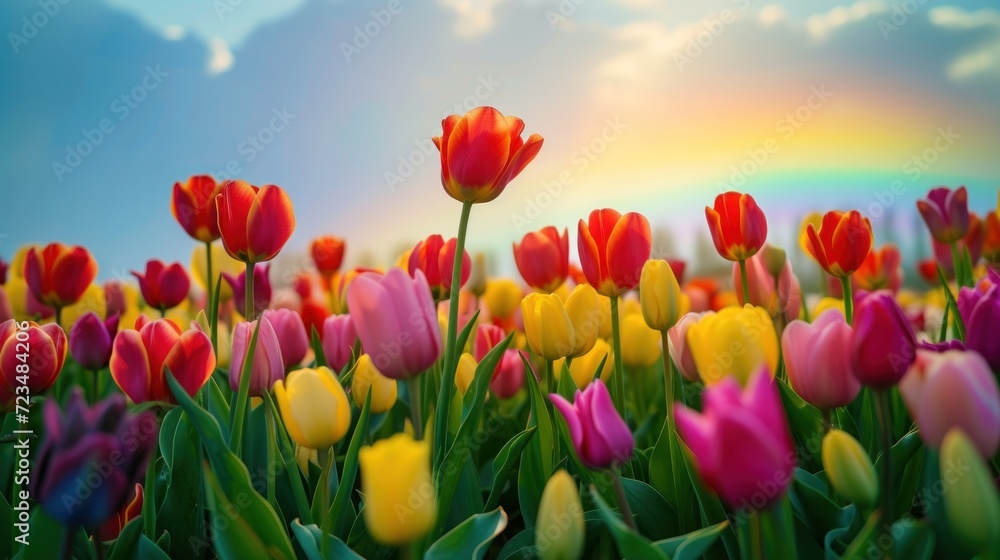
(629, 246)
(270, 223)
(478, 149)
(569, 412)
(233, 205)
(191, 361)
(130, 366)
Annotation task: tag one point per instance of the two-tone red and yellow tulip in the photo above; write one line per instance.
(163, 286)
(881, 270)
(291, 333)
(338, 338)
(368, 379)
(744, 427)
(254, 222)
(140, 359)
(953, 389)
(193, 205)
(613, 248)
(400, 499)
(327, 254)
(601, 438)
(90, 340)
(818, 367)
(267, 367)
(39, 357)
(738, 226)
(396, 321)
(842, 242)
(59, 275)
(735, 341)
(542, 258)
(314, 407)
(883, 344)
(481, 152)
(946, 213)
(262, 291)
(436, 259)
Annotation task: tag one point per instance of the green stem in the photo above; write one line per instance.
(325, 457)
(248, 297)
(416, 415)
(944, 322)
(98, 546)
(271, 456)
(149, 495)
(550, 377)
(746, 283)
(668, 381)
(626, 511)
(827, 420)
(210, 301)
(882, 406)
(291, 466)
(59, 316)
(845, 288)
(756, 536)
(958, 265)
(163, 312)
(618, 390)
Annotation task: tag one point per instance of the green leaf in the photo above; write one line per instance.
(914, 540)
(711, 509)
(668, 475)
(126, 546)
(362, 542)
(317, 347)
(471, 538)
(178, 512)
(336, 518)
(818, 513)
(654, 517)
(149, 549)
(950, 297)
(504, 463)
(902, 452)
(536, 462)
(806, 424)
(630, 544)
(242, 397)
(45, 538)
(310, 538)
(233, 535)
(218, 407)
(694, 544)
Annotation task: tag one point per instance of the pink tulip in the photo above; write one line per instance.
(339, 337)
(508, 377)
(741, 442)
(946, 213)
(487, 336)
(600, 436)
(783, 297)
(90, 340)
(396, 321)
(677, 344)
(291, 332)
(953, 389)
(883, 344)
(268, 365)
(818, 366)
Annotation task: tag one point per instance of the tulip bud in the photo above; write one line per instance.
(328, 254)
(90, 341)
(849, 469)
(660, 295)
(477, 280)
(600, 436)
(946, 213)
(882, 344)
(267, 367)
(367, 378)
(508, 377)
(542, 258)
(45, 355)
(314, 407)
(818, 368)
(254, 222)
(547, 327)
(613, 248)
(774, 260)
(584, 313)
(261, 289)
(338, 338)
(971, 502)
(980, 311)
(291, 334)
(738, 226)
(163, 286)
(559, 528)
(466, 372)
(680, 350)
(400, 501)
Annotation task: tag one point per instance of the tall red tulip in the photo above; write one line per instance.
(542, 258)
(946, 213)
(193, 205)
(163, 286)
(481, 152)
(255, 222)
(435, 258)
(738, 226)
(59, 275)
(328, 254)
(613, 247)
(842, 243)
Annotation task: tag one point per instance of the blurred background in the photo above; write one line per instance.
(647, 105)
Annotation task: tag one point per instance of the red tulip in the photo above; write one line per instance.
(436, 259)
(842, 243)
(542, 258)
(613, 247)
(38, 358)
(881, 270)
(487, 336)
(163, 286)
(508, 377)
(313, 314)
(193, 205)
(991, 237)
(677, 266)
(59, 275)
(140, 359)
(946, 213)
(928, 271)
(481, 152)
(255, 222)
(328, 254)
(737, 224)
(3, 271)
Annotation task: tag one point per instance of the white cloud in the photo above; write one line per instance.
(985, 58)
(174, 32)
(821, 25)
(475, 17)
(220, 57)
(771, 14)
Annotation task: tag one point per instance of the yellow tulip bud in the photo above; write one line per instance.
(849, 469)
(93, 300)
(971, 503)
(477, 279)
(735, 341)
(584, 314)
(501, 297)
(314, 407)
(559, 528)
(400, 501)
(368, 378)
(640, 344)
(466, 372)
(221, 262)
(584, 368)
(547, 326)
(660, 295)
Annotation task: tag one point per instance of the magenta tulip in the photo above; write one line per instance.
(600, 436)
(819, 369)
(980, 311)
(946, 213)
(90, 340)
(741, 443)
(261, 289)
(291, 332)
(883, 344)
(397, 322)
(338, 337)
(953, 389)
(268, 365)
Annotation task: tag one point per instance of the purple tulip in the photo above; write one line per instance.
(741, 442)
(946, 213)
(90, 459)
(90, 340)
(396, 321)
(943, 346)
(268, 366)
(338, 337)
(819, 369)
(883, 344)
(600, 436)
(114, 294)
(261, 289)
(291, 333)
(980, 311)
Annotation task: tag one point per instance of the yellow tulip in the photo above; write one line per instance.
(501, 297)
(559, 527)
(221, 262)
(640, 344)
(368, 378)
(971, 503)
(604, 323)
(547, 326)
(466, 372)
(400, 501)
(735, 341)
(17, 293)
(584, 314)
(849, 469)
(477, 279)
(314, 407)
(583, 368)
(828, 303)
(224, 353)
(660, 295)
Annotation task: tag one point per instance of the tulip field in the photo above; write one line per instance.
(599, 404)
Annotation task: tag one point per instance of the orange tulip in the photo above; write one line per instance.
(613, 247)
(842, 243)
(328, 254)
(882, 270)
(481, 152)
(737, 224)
(193, 205)
(542, 258)
(991, 241)
(59, 275)
(255, 222)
